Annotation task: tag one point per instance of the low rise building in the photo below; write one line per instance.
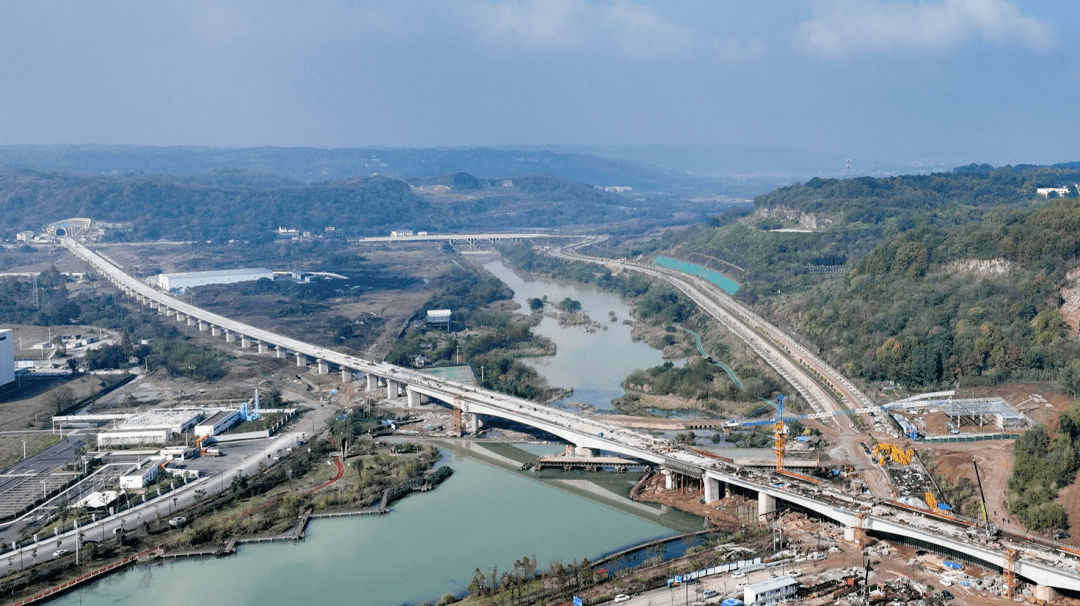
(771, 591)
(142, 476)
(220, 422)
(7, 356)
(180, 281)
(440, 318)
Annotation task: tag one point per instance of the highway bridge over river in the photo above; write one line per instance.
(1049, 570)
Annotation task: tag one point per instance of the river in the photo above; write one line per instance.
(430, 543)
(593, 364)
(427, 546)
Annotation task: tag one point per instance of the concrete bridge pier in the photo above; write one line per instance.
(179, 317)
(391, 389)
(140, 299)
(280, 352)
(301, 360)
(474, 424)
(230, 336)
(245, 341)
(346, 375)
(669, 479)
(766, 504)
(583, 451)
(413, 396)
(262, 347)
(372, 382)
(190, 321)
(324, 367)
(1045, 593)
(712, 489)
(215, 331)
(202, 326)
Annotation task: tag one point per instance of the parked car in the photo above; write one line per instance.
(178, 521)
(738, 574)
(1061, 535)
(60, 552)
(794, 573)
(622, 597)
(710, 593)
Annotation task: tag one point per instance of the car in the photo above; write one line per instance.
(178, 521)
(622, 597)
(742, 584)
(60, 552)
(947, 594)
(794, 573)
(710, 593)
(1061, 535)
(738, 574)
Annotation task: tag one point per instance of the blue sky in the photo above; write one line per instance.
(902, 80)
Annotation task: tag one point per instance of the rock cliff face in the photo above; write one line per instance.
(982, 267)
(804, 219)
(1071, 307)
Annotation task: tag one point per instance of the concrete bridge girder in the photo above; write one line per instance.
(574, 436)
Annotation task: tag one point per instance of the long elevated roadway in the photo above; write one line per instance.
(1048, 570)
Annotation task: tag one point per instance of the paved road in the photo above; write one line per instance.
(163, 507)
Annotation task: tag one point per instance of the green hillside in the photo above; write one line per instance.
(952, 277)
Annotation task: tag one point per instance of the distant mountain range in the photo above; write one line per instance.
(736, 170)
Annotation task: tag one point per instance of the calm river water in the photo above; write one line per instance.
(427, 546)
(593, 364)
(430, 543)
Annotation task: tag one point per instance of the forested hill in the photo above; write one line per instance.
(952, 277)
(229, 204)
(931, 198)
(317, 164)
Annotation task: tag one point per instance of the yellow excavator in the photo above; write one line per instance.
(886, 452)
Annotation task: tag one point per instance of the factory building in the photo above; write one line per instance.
(150, 427)
(180, 281)
(218, 423)
(7, 356)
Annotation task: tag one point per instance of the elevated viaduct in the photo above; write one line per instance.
(1049, 571)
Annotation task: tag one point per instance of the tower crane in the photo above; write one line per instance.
(780, 433)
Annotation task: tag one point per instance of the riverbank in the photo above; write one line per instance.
(605, 488)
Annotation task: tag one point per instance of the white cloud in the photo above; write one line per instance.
(842, 28)
(628, 28)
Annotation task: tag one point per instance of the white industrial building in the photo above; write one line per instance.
(141, 477)
(106, 439)
(218, 423)
(7, 356)
(180, 281)
(439, 318)
(771, 591)
(150, 427)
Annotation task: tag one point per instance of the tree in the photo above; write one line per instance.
(536, 304)
(61, 399)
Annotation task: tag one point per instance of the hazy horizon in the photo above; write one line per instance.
(899, 81)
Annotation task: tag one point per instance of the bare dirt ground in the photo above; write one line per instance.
(378, 314)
